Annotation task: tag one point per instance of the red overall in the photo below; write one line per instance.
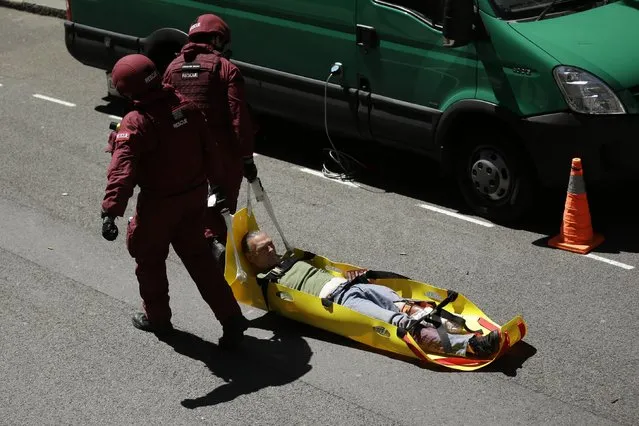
(165, 148)
(216, 85)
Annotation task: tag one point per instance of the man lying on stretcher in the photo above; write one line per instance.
(373, 300)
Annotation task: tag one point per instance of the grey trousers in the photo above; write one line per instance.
(378, 301)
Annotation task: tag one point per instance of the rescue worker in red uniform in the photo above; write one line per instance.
(165, 147)
(204, 75)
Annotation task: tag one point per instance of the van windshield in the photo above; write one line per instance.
(526, 9)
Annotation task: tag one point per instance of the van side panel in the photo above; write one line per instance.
(294, 42)
(140, 18)
(290, 39)
(514, 73)
(410, 65)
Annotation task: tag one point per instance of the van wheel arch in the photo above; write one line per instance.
(472, 129)
(163, 45)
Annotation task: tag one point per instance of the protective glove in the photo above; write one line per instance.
(250, 170)
(109, 228)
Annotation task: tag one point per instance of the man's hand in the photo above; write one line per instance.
(351, 275)
(109, 229)
(250, 169)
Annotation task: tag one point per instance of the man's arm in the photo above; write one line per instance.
(215, 171)
(354, 273)
(240, 115)
(121, 174)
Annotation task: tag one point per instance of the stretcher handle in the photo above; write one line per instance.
(451, 297)
(260, 195)
(239, 272)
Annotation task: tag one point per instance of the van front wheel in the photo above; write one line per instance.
(494, 177)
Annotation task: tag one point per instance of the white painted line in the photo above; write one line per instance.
(457, 215)
(115, 117)
(611, 262)
(0, 84)
(320, 174)
(57, 101)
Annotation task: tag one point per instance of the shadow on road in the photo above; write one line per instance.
(114, 106)
(415, 176)
(512, 360)
(277, 361)
(388, 170)
(508, 364)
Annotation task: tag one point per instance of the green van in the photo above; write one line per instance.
(502, 93)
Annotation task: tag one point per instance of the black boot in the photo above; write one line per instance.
(485, 346)
(141, 322)
(233, 332)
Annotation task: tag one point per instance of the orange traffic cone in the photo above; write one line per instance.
(576, 233)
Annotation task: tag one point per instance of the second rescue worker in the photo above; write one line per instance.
(161, 147)
(206, 77)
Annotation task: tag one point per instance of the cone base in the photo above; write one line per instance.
(558, 242)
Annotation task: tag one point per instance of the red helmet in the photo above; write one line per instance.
(134, 75)
(211, 24)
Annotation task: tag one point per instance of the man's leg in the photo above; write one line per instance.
(191, 246)
(375, 301)
(429, 339)
(380, 302)
(147, 242)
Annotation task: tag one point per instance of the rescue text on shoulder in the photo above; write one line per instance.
(122, 137)
(179, 123)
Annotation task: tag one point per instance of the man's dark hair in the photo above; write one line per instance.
(246, 238)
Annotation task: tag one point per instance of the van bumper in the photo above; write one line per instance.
(608, 147)
(98, 48)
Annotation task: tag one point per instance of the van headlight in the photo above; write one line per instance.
(585, 93)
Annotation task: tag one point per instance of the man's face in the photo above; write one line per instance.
(262, 254)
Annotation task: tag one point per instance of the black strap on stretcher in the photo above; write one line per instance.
(368, 275)
(435, 318)
(275, 273)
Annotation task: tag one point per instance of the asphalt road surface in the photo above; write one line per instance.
(70, 354)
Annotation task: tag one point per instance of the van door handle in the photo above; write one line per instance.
(366, 36)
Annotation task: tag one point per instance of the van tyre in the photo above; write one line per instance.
(494, 177)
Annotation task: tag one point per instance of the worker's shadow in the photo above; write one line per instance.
(114, 106)
(260, 363)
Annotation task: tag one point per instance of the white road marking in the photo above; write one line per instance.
(57, 101)
(612, 262)
(115, 117)
(0, 84)
(457, 215)
(320, 174)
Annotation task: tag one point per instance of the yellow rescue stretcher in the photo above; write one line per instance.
(309, 309)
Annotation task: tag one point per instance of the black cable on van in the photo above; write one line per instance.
(347, 163)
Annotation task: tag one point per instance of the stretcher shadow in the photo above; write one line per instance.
(260, 363)
(507, 364)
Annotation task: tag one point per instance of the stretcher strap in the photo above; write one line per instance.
(442, 332)
(275, 273)
(381, 275)
(249, 207)
(360, 279)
